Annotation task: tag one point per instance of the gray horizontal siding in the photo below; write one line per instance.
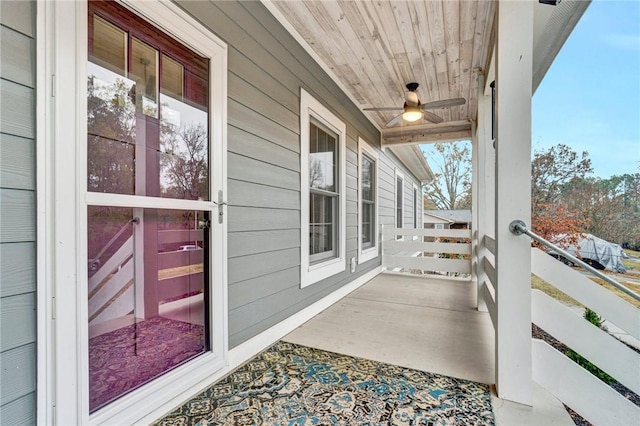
(266, 69)
(18, 373)
(246, 243)
(251, 170)
(17, 214)
(17, 116)
(19, 15)
(19, 412)
(17, 57)
(17, 269)
(258, 148)
(260, 219)
(17, 156)
(256, 265)
(257, 195)
(17, 320)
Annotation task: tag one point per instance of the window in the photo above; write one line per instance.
(399, 201)
(323, 192)
(367, 202)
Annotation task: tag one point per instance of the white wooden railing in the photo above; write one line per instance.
(445, 251)
(487, 276)
(111, 287)
(573, 385)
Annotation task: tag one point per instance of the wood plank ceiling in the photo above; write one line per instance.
(374, 48)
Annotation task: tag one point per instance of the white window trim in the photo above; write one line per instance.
(370, 252)
(398, 174)
(62, 217)
(312, 273)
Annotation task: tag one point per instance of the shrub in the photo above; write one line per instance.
(596, 320)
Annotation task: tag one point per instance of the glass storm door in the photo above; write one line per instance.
(148, 233)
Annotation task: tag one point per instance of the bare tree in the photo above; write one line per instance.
(551, 170)
(185, 161)
(451, 187)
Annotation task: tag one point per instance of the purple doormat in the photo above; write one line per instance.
(118, 365)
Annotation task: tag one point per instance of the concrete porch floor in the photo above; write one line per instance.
(425, 324)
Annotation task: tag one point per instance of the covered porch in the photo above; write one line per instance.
(428, 324)
(422, 323)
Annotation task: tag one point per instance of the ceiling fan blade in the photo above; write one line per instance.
(384, 109)
(395, 120)
(444, 103)
(432, 117)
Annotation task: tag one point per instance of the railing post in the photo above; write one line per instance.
(514, 48)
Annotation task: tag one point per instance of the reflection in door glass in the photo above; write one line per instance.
(147, 293)
(147, 136)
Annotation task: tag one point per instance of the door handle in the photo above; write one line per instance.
(220, 203)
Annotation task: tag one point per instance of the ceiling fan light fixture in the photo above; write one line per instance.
(412, 113)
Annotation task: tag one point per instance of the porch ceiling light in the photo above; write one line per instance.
(412, 113)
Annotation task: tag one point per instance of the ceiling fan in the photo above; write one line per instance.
(414, 110)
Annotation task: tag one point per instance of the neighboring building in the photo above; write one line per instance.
(447, 219)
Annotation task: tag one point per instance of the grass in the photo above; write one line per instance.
(539, 284)
(632, 252)
(634, 287)
(629, 264)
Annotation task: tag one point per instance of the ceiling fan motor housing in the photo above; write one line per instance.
(412, 87)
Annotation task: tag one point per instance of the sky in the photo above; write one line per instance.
(590, 97)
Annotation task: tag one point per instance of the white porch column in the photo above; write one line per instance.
(484, 202)
(513, 200)
(475, 235)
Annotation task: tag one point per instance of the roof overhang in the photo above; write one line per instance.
(413, 159)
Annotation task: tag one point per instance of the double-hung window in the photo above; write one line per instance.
(367, 202)
(323, 191)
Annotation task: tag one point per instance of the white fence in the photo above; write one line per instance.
(573, 385)
(436, 251)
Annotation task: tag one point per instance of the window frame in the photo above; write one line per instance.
(416, 209)
(367, 253)
(398, 175)
(312, 272)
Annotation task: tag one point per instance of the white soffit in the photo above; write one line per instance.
(413, 159)
(552, 26)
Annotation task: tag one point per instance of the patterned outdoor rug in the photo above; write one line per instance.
(292, 385)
